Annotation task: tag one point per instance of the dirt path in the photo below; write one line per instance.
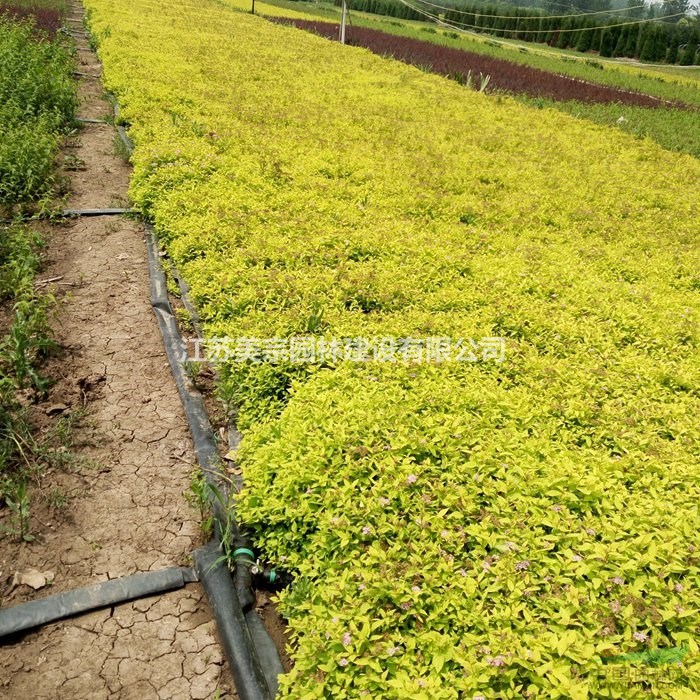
(125, 509)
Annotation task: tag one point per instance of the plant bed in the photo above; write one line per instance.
(465, 66)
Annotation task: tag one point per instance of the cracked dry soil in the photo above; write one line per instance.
(125, 510)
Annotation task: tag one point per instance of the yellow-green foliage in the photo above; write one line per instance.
(319, 13)
(457, 530)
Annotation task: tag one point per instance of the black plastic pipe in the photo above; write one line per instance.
(266, 651)
(36, 613)
(128, 143)
(185, 298)
(109, 211)
(247, 669)
(202, 434)
(244, 558)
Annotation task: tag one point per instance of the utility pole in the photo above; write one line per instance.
(252, 9)
(342, 21)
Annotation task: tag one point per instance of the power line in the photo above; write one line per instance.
(454, 24)
(435, 18)
(577, 14)
(550, 2)
(563, 29)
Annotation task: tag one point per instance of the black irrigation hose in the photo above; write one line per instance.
(185, 298)
(252, 680)
(245, 640)
(267, 653)
(113, 211)
(234, 436)
(202, 434)
(128, 143)
(36, 613)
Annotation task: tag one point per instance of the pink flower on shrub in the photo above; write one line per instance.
(347, 638)
(523, 565)
(640, 636)
(411, 478)
(497, 661)
(343, 662)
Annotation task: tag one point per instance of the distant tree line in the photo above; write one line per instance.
(390, 8)
(651, 40)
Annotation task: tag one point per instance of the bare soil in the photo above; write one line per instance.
(117, 505)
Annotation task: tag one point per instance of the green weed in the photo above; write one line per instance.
(37, 102)
(17, 500)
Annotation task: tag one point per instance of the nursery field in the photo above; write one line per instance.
(463, 519)
(653, 79)
(647, 100)
(503, 75)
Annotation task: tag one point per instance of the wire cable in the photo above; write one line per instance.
(577, 14)
(565, 29)
(454, 24)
